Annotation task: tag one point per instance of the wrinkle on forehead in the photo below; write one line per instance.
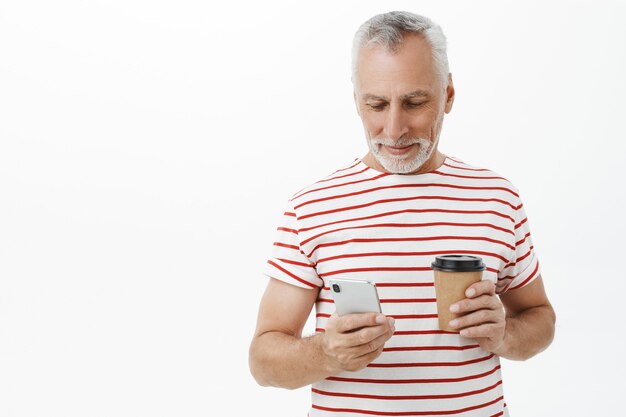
(409, 71)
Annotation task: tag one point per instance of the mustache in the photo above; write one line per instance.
(400, 143)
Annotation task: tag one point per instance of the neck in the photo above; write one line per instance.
(434, 162)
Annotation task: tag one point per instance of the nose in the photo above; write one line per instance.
(396, 124)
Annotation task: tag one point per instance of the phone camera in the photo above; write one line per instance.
(336, 288)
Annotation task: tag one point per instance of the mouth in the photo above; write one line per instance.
(398, 151)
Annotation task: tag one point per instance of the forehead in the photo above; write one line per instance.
(396, 73)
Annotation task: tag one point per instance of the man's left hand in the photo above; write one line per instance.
(483, 316)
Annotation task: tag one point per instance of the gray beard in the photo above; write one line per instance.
(400, 164)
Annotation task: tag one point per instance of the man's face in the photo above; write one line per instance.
(401, 101)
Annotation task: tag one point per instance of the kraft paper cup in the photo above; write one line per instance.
(453, 275)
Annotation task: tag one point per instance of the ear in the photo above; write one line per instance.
(449, 94)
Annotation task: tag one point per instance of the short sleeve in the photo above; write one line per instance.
(287, 262)
(524, 267)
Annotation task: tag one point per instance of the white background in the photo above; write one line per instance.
(147, 149)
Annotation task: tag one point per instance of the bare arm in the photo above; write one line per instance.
(516, 326)
(530, 321)
(281, 357)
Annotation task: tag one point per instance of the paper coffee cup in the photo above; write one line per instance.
(453, 275)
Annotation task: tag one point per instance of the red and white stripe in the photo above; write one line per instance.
(359, 223)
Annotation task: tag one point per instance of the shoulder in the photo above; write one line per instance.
(343, 173)
(350, 173)
(461, 169)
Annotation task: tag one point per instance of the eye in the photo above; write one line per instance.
(376, 106)
(415, 105)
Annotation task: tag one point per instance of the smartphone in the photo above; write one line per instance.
(354, 296)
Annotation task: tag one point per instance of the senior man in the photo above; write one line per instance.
(384, 218)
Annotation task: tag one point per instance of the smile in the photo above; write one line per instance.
(398, 151)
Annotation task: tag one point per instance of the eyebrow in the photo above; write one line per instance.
(412, 94)
(416, 93)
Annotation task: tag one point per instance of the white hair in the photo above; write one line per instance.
(389, 29)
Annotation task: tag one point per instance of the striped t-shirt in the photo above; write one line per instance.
(359, 223)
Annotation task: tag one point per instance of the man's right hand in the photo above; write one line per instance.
(352, 341)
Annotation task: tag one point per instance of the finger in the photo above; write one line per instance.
(476, 318)
(351, 322)
(468, 305)
(356, 364)
(480, 288)
(373, 345)
(488, 330)
(364, 335)
(369, 357)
